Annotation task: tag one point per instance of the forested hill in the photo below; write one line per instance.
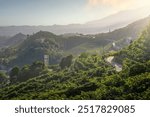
(138, 50)
(12, 41)
(85, 77)
(77, 43)
(23, 51)
(32, 49)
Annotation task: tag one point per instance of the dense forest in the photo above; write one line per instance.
(25, 49)
(83, 76)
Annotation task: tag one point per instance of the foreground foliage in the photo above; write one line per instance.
(86, 76)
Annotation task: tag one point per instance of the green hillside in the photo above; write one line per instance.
(21, 51)
(86, 76)
(78, 43)
(32, 49)
(139, 50)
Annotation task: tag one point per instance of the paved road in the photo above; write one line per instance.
(117, 66)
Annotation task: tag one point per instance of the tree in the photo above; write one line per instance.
(14, 74)
(3, 78)
(66, 62)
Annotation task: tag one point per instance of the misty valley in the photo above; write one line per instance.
(114, 64)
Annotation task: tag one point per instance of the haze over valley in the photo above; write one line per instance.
(105, 24)
(90, 49)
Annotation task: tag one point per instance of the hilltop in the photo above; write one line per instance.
(101, 25)
(33, 48)
(86, 76)
(25, 49)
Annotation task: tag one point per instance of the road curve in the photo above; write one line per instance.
(117, 66)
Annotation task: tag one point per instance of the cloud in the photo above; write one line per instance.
(118, 4)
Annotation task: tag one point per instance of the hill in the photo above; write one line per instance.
(32, 49)
(113, 21)
(23, 51)
(77, 43)
(93, 27)
(137, 50)
(3, 39)
(12, 41)
(87, 77)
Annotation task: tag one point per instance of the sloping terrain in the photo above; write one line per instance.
(112, 22)
(23, 51)
(12, 41)
(86, 77)
(32, 49)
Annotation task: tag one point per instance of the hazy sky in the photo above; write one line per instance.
(48, 12)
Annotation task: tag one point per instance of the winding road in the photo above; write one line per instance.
(117, 66)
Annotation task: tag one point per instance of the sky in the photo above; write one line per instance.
(50, 12)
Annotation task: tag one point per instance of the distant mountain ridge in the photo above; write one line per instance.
(111, 22)
(86, 77)
(37, 45)
(121, 37)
